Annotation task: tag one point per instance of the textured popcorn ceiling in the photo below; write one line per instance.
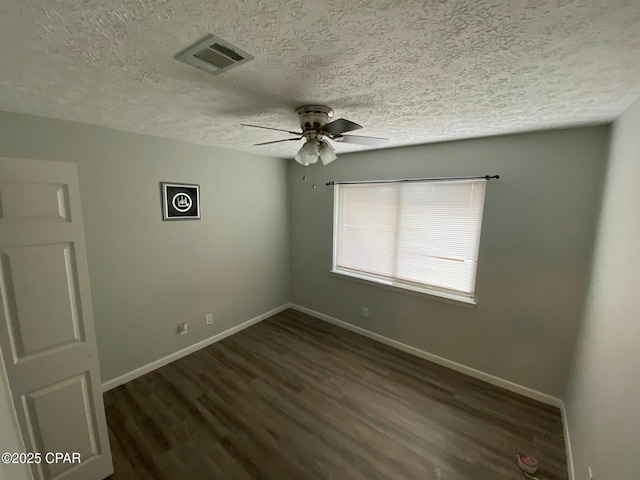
(414, 71)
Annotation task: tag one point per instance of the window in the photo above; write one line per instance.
(418, 235)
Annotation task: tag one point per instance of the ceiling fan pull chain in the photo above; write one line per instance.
(313, 175)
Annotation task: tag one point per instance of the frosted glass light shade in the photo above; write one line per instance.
(327, 153)
(307, 154)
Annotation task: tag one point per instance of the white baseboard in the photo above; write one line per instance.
(138, 372)
(472, 372)
(567, 443)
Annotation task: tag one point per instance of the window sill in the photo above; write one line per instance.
(445, 297)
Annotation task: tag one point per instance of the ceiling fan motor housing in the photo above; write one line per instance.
(312, 117)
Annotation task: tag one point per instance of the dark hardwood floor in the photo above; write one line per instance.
(297, 398)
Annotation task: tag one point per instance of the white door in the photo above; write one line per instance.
(46, 322)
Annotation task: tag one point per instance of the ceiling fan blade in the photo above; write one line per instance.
(340, 126)
(277, 141)
(271, 128)
(360, 140)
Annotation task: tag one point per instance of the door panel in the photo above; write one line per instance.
(44, 310)
(47, 335)
(45, 413)
(28, 201)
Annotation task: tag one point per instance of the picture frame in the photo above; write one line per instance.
(180, 201)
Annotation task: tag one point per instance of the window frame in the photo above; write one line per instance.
(404, 286)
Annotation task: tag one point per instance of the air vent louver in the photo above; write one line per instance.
(213, 55)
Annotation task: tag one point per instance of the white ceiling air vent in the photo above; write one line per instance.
(213, 55)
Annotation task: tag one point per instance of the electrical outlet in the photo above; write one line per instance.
(183, 328)
(365, 312)
(208, 319)
(590, 474)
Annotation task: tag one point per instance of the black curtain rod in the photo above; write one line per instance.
(439, 179)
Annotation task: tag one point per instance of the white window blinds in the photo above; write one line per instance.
(418, 235)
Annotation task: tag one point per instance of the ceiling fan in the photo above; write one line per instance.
(317, 129)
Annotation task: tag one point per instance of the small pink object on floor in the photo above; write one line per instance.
(527, 464)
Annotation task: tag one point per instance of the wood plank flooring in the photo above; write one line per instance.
(297, 398)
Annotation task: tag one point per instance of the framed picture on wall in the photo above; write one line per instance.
(180, 201)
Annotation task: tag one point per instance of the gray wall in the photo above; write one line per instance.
(603, 393)
(537, 239)
(148, 275)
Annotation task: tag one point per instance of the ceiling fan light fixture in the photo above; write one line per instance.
(327, 153)
(307, 154)
(317, 130)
